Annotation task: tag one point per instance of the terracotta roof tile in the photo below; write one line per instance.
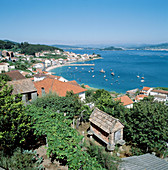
(160, 91)
(87, 86)
(73, 82)
(140, 96)
(125, 100)
(146, 88)
(57, 86)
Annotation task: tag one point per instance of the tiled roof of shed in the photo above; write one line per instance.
(22, 86)
(104, 120)
(142, 162)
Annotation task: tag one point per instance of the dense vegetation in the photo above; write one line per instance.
(146, 128)
(146, 125)
(64, 143)
(7, 44)
(14, 124)
(162, 88)
(26, 48)
(31, 49)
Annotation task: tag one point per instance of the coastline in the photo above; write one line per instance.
(67, 64)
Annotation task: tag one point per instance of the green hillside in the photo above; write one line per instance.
(25, 47)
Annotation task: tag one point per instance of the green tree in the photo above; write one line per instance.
(5, 77)
(148, 125)
(69, 104)
(14, 124)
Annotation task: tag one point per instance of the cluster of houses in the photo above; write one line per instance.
(42, 84)
(41, 61)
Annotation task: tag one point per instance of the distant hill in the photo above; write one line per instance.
(65, 46)
(112, 49)
(11, 41)
(163, 46)
(74, 47)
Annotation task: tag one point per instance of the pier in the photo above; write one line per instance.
(79, 64)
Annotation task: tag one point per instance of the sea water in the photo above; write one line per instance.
(127, 67)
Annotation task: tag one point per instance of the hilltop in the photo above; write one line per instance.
(25, 47)
(162, 46)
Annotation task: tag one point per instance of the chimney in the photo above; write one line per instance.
(42, 91)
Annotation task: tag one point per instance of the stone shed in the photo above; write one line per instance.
(106, 128)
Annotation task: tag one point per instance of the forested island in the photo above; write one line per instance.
(112, 49)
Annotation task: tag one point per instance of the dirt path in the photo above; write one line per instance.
(47, 162)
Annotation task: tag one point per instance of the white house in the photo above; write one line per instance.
(4, 67)
(146, 90)
(159, 95)
(126, 101)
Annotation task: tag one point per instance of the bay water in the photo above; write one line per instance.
(128, 66)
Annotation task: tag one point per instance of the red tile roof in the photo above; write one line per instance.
(87, 86)
(57, 86)
(140, 96)
(125, 100)
(160, 91)
(73, 82)
(146, 88)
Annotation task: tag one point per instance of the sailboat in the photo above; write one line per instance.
(102, 71)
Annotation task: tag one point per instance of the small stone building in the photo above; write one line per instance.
(24, 87)
(106, 128)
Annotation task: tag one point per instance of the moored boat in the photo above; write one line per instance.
(112, 74)
(102, 71)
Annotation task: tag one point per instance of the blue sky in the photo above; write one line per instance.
(84, 21)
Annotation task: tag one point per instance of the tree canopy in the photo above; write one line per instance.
(14, 124)
(148, 125)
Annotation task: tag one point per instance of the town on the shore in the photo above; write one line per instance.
(38, 71)
(29, 76)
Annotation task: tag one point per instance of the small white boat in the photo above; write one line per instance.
(93, 76)
(118, 76)
(69, 67)
(89, 71)
(102, 71)
(104, 76)
(106, 79)
(142, 81)
(137, 76)
(76, 68)
(112, 74)
(92, 70)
